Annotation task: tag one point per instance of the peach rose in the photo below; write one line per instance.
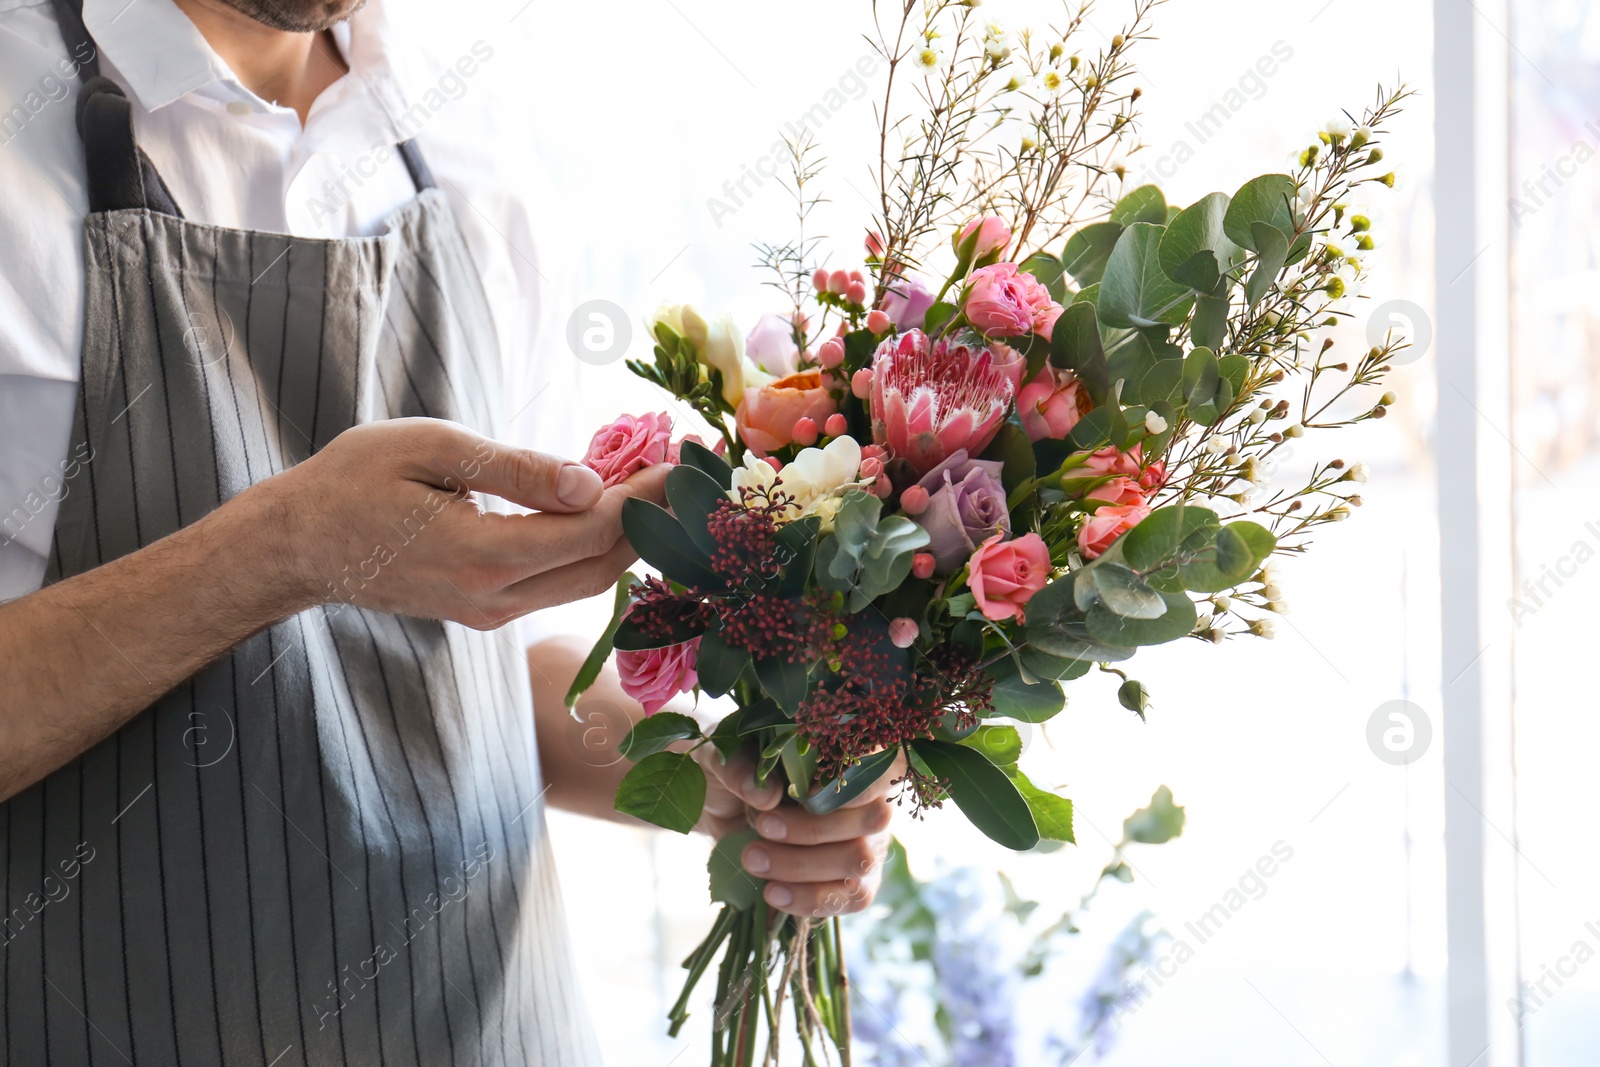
(653, 676)
(767, 416)
(1106, 525)
(629, 445)
(1052, 403)
(1004, 575)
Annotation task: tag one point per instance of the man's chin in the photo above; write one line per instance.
(299, 16)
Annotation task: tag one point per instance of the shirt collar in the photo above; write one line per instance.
(162, 57)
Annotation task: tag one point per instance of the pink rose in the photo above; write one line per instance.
(1010, 362)
(1004, 575)
(767, 416)
(1112, 460)
(1002, 301)
(993, 236)
(653, 676)
(1106, 525)
(1051, 405)
(628, 446)
(1153, 477)
(771, 345)
(995, 303)
(1117, 491)
(675, 449)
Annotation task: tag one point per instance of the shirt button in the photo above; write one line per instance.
(239, 107)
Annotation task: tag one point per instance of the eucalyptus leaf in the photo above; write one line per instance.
(1268, 199)
(1209, 326)
(1197, 229)
(1124, 593)
(1135, 290)
(1075, 344)
(1177, 620)
(1088, 250)
(1274, 252)
(1143, 204)
(1045, 666)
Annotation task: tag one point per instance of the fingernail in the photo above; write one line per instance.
(772, 827)
(577, 485)
(756, 860)
(779, 896)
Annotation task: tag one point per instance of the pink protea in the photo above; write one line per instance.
(931, 399)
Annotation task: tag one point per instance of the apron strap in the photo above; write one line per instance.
(121, 177)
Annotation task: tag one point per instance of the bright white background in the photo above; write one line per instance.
(632, 114)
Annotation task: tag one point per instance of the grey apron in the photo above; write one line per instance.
(328, 847)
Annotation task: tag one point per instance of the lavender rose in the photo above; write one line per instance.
(966, 506)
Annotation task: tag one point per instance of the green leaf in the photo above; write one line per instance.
(1209, 327)
(718, 664)
(730, 882)
(1013, 449)
(1126, 594)
(727, 736)
(697, 455)
(1002, 744)
(596, 660)
(1017, 699)
(1144, 204)
(666, 546)
(783, 681)
(694, 494)
(1089, 294)
(1135, 290)
(1087, 251)
(1176, 620)
(1075, 344)
(1051, 814)
(1199, 229)
(983, 792)
(831, 796)
(1046, 666)
(1268, 199)
(1274, 251)
(1199, 376)
(1056, 627)
(1156, 824)
(1148, 364)
(1155, 540)
(1048, 270)
(667, 789)
(1233, 555)
(1207, 575)
(937, 315)
(654, 733)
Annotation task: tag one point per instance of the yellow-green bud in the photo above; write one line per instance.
(1072, 64)
(1364, 242)
(1055, 52)
(1360, 224)
(1388, 399)
(1360, 137)
(1375, 155)
(1388, 179)
(1118, 41)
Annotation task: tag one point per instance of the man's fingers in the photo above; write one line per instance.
(738, 777)
(819, 899)
(793, 825)
(840, 860)
(456, 459)
(572, 581)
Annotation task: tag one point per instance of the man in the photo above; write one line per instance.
(271, 781)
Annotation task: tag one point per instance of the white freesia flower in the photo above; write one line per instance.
(684, 320)
(817, 479)
(723, 350)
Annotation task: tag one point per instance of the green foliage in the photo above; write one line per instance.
(1135, 290)
(694, 495)
(1144, 204)
(595, 661)
(1028, 700)
(662, 542)
(868, 555)
(984, 793)
(1075, 343)
(696, 455)
(654, 733)
(719, 665)
(730, 882)
(667, 789)
(1087, 252)
(1268, 199)
(1156, 824)
(856, 779)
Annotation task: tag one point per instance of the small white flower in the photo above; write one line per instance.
(1154, 423)
(1338, 126)
(928, 59)
(1222, 603)
(1052, 81)
(1256, 417)
(1356, 473)
(1294, 430)
(1215, 445)
(1264, 627)
(1272, 592)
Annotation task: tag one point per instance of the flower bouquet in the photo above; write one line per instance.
(952, 477)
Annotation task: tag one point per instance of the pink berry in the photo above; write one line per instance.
(836, 425)
(882, 487)
(861, 383)
(774, 462)
(856, 293)
(838, 282)
(877, 321)
(805, 431)
(857, 276)
(831, 353)
(922, 565)
(914, 501)
(871, 468)
(903, 632)
(819, 280)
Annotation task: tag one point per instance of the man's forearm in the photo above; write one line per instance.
(577, 752)
(81, 657)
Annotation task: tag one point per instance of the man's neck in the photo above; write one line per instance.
(289, 69)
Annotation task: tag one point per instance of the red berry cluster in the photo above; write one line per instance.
(662, 614)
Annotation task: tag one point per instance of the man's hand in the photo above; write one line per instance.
(815, 865)
(382, 518)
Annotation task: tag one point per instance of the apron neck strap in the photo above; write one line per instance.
(120, 175)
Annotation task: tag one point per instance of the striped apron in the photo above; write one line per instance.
(328, 847)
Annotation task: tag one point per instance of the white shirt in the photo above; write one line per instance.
(231, 159)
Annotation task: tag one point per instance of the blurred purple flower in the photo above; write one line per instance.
(966, 506)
